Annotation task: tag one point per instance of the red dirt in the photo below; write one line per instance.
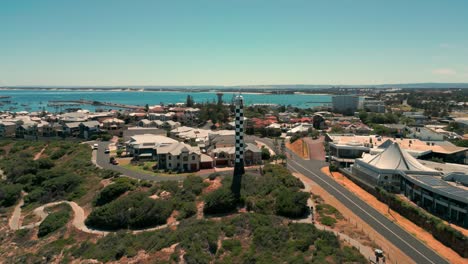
(173, 217)
(38, 155)
(299, 147)
(213, 185)
(406, 224)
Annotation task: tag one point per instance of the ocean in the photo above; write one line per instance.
(37, 100)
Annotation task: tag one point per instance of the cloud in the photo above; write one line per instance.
(444, 71)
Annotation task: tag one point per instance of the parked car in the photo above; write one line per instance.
(95, 146)
(113, 161)
(107, 150)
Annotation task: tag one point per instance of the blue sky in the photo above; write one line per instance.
(224, 42)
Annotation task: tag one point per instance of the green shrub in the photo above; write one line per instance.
(105, 137)
(291, 204)
(213, 176)
(232, 245)
(328, 221)
(219, 201)
(170, 186)
(112, 191)
(187, 210)
(58, 154)
(333, 167)
(135, 210)
(194, 184)
(9, 194)
(54, 221)
(265, 153)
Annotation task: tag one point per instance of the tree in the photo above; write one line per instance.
(189, 102)
(219, 201)
(146, 108)
(265, 153)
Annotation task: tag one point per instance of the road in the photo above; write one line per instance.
(102, 160)
(408, 244)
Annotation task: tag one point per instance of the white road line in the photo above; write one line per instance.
(430, 261)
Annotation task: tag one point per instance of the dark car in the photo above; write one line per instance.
(107, 150)
(113, 161)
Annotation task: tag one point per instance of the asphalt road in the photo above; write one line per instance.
(102, 159)
(408, 244)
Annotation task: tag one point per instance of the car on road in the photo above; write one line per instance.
(113, 161)
(95, 146)
(107, 150)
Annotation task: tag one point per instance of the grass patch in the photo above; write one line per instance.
(55, 221)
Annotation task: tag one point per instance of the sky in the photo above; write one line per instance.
(227, 42)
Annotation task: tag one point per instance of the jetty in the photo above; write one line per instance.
(89, 102)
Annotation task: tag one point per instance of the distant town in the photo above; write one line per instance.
(398, 155)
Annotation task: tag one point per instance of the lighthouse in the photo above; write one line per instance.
(240, 145)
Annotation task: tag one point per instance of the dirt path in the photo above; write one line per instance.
(78, 219)
(393, 254)
(14, 222)
(406, 224)
(38, 155)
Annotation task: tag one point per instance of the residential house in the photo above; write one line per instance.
(225, 156)
(7, 129)
(81, 129)
(113, 126)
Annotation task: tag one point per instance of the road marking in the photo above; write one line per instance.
(345, 196)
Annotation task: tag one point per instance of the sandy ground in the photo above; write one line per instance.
(38, 155)
(393, 254)
(299, 147)
(406, 224)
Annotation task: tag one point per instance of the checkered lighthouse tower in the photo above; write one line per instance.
(239, 161)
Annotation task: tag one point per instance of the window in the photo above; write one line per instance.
(193, 157)
(170, 157)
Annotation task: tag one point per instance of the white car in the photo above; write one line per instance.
(95, 146)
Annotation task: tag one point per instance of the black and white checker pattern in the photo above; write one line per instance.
(239, 129)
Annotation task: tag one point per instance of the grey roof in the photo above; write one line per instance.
(395, 126)
(440, 186)
(87, 124)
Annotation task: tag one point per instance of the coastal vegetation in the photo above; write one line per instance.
(63, 172)
(55, 220)
(250, 237)
(265, 233)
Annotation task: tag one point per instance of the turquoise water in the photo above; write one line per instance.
(34, 100)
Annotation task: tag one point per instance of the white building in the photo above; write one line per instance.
(345, 103)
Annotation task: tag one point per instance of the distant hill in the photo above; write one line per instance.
(272, 86)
